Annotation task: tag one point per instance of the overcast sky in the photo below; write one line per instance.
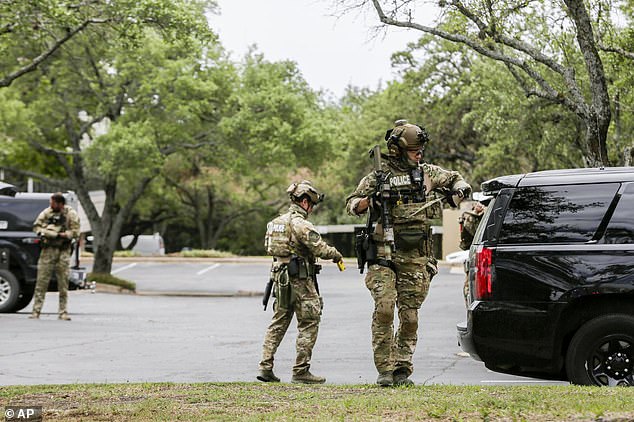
(332, 52)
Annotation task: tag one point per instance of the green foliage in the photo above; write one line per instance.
(203, 253)
(274, 117)
(126, 254)
(126, 151)
(29, 29)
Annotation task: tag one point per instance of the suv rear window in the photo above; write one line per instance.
(621, 227)
(556, 214)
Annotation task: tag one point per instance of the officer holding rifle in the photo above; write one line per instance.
(396, 244)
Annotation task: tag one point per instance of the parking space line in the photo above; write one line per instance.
(127, 267)
(211, 267)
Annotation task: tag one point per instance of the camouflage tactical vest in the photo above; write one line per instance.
(278, 236)
(408, 193)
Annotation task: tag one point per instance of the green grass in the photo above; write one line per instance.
(251, 401)
(110, 279)
(126, 254)
(203, 253)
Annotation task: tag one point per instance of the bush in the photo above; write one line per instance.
(203, 253)
(103, 278)
(126, 254)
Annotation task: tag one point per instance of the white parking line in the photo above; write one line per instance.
(203, 271)
(118, 270)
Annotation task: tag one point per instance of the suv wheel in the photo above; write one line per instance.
(602, 352)
(9, 291)
(25, 298)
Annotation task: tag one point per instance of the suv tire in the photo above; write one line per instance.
(602, 352)
(9, 291)
(25, 298)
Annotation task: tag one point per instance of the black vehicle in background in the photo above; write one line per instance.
(20, 249)
(551, 274)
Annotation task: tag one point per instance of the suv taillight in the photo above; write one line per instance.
(483, 273)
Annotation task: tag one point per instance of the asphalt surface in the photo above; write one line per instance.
(203, 322)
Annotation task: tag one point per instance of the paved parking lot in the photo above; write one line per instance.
(160, 337)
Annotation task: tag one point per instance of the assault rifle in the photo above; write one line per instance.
(364, 244)
(384, 192)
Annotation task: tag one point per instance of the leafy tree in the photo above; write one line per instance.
(549, 49)
(108, 114)
(271, 131)
(32, 32)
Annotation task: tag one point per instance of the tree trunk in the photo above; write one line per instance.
(596, 136)
(102, 262)
(598, 115)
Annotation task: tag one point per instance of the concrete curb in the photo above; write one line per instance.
(109, 288)
(239, 293)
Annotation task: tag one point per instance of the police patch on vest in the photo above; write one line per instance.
(275, 228)
(401, 180)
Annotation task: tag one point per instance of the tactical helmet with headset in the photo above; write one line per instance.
(405, 137)
(297, 190)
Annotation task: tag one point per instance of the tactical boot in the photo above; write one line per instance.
(385, 379)
(307, 378)
(267, 375)
(34, 315)
(64, 316)
(401, 379)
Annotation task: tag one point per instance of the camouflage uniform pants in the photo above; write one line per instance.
(406, 290)
(307, 307)
(52, 260)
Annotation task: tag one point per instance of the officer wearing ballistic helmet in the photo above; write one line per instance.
(401, 265)
(295, 244)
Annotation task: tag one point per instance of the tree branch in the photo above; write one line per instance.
(62, 184)
(578, 106)
(172, 149)
(139, 189)
(8, 80)
(617, 50)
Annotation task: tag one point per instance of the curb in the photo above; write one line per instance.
(111, 289)
(239, 293)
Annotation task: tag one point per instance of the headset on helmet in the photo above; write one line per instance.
(297, 189)
(406, 136)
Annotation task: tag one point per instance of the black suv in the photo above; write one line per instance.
(20, 249)
(551, 272)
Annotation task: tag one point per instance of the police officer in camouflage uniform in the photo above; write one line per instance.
(57, 226)
(295, 244)
(469, 221)
(401, 278)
